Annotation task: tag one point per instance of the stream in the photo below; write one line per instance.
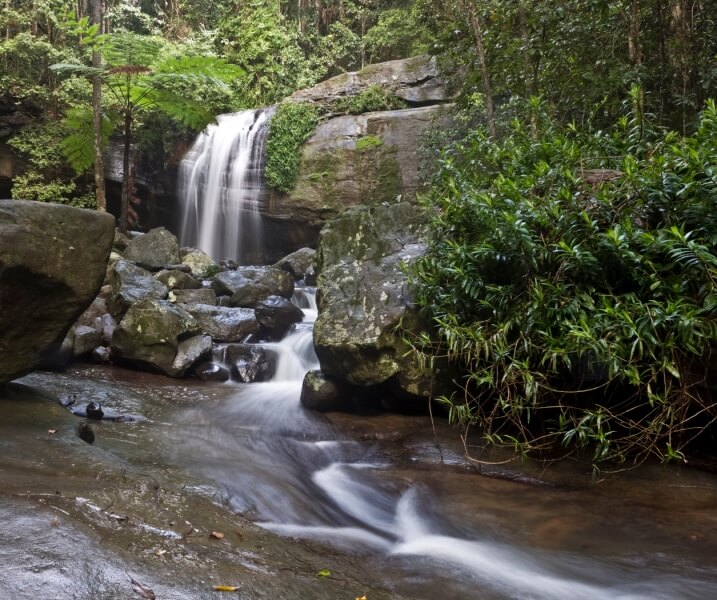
(386, 503)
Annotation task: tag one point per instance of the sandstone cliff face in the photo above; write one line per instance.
(356, 160)
(52, 263)
(360, 160)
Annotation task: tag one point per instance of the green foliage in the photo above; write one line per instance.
(77, 146)
(397, 34)
(260, 40)
(289, 128)
(373, 98)
(47, 177)
(573, 276)
(368, 142)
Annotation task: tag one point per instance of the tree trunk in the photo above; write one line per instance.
(633, 39)
(97, 115)
(487, 87)
(124, 205)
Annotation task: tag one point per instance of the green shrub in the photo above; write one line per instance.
(373, 98)
(289, 128)
(573, 278)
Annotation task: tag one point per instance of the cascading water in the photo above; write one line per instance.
(286, 469)
(220, 187)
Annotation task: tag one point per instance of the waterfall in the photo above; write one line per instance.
(220, 187)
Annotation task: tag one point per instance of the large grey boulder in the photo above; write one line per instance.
(249, 363)
(130, 284)
(159, 336)
(177, 280)
(223, 324)
(298, 263)
(416, 80)
(363, 297)
(52, 263)
(248, 285)
(276, 315)
(154, 249)
(198, 261)
(356, 160)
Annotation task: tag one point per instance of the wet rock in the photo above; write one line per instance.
(101, 355)
(84, 340)
(177, 280)
(276, 315)
(249, 363)
(298, 263)
(189, 352)
(120, 242)
(248, 285)
(94, 411)
(319, 393)
(200, 296)
(159, 336)
(199, 262)
(42, 292)
(86, 433)
(98, 318)
(363, 297)
(211, 371)
(228, 264)
(154, 249)
(224, 324)
(131, 284)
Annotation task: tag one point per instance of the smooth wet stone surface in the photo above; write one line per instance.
(145, 496)
(77, 518)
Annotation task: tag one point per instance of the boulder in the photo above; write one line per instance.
(198, 261)
(154, 249)
(97, 316)
(84, 340)
(248, 285)
(211, 371)
(356, 160)
(159, 336)
(130, 284)
(177, 280)
(52, 263)
(319, 393)
(364, 297)
(276, 314)
(200, 296)
(416, 80)
(298, 263)
(249, 363)
(223, 324)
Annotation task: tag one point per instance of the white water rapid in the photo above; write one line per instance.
(220, 185)
(287, 470)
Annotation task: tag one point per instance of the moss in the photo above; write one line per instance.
(289, 128)
(367, 142)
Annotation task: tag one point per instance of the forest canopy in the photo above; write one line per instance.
(573, 202)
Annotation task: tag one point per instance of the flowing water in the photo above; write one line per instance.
(220, 187)
(432, 533)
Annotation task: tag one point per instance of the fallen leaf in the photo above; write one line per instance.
(324, 573)
(226, 588)
(51, 431)
(361, 598)
(142, 590)
(160, 552)
(216, 534)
